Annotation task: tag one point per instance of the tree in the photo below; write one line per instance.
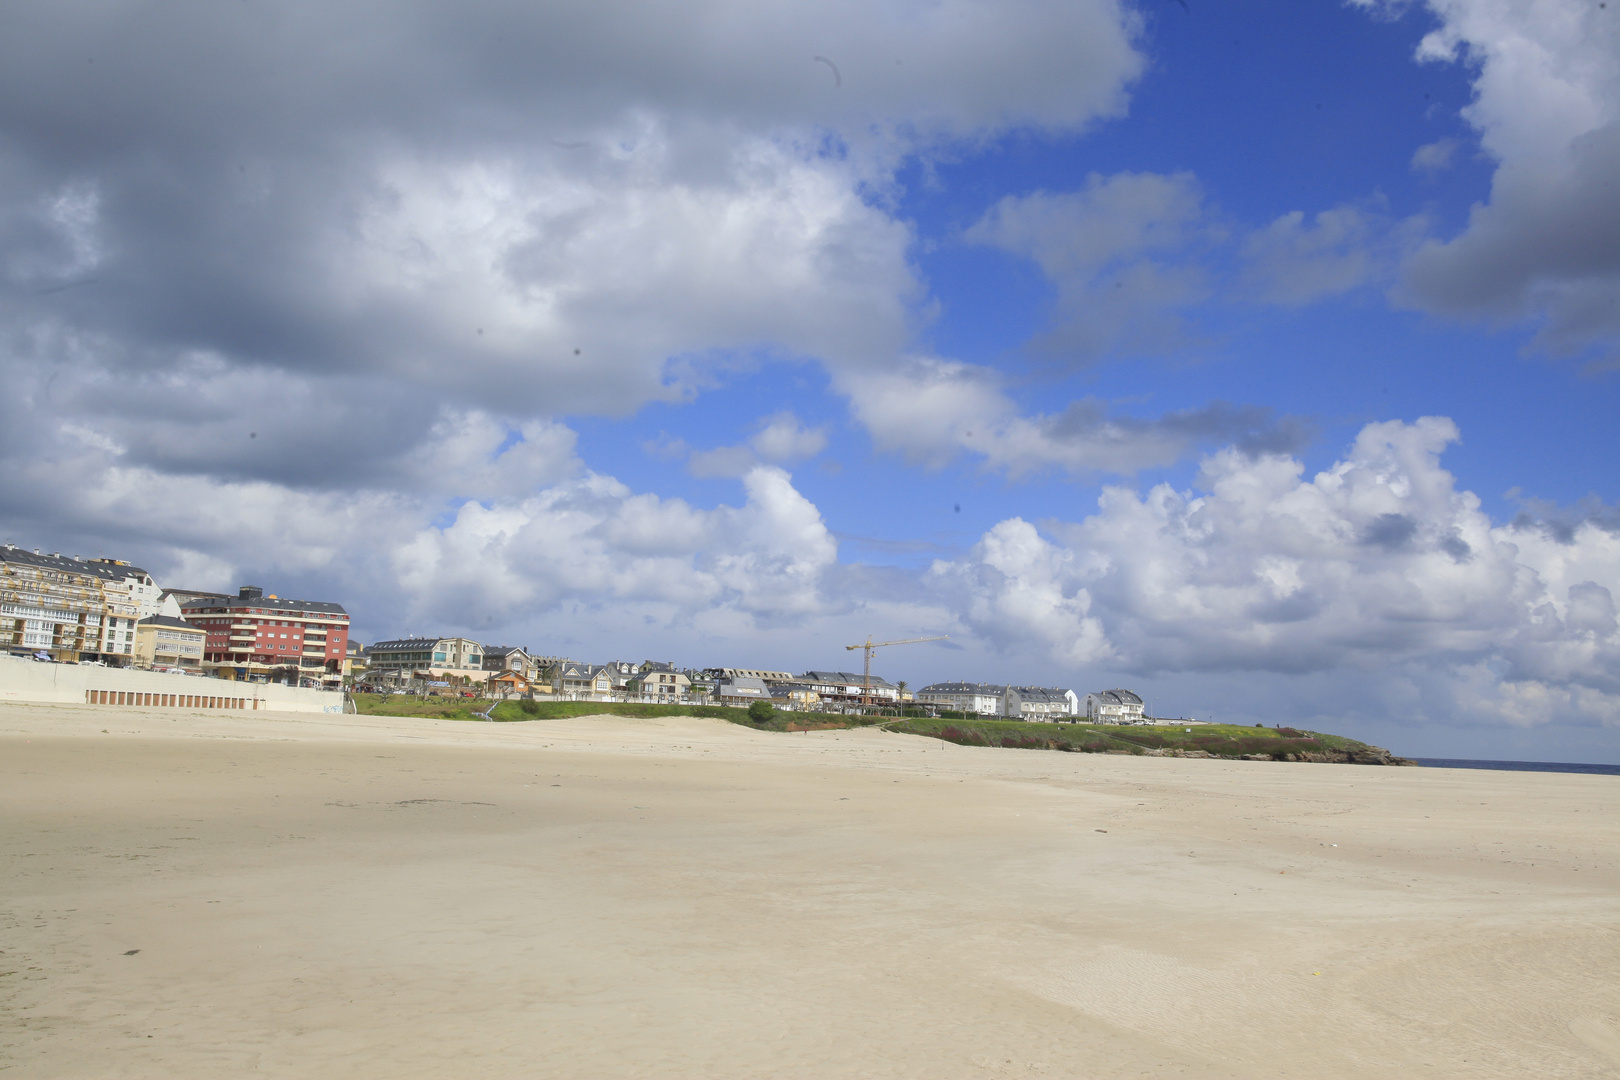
(760, 711)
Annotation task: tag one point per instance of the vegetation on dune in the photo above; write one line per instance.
(1217, 740)
(759, 715)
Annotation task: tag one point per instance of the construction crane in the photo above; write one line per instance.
(869, 645)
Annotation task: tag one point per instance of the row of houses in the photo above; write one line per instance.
(111, 613)
(514, 671)
(106, 611)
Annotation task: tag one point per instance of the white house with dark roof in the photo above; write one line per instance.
(986, 699)
(1047, 703)
(1114, 707)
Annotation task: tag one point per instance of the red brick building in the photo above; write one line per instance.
(264, 635)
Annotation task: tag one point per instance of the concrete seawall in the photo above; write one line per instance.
(87, 684)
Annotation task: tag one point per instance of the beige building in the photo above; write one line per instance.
(446, 659)
(162, 641)
(72, 609)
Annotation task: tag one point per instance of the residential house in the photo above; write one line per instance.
(795, 697)
(166, 642)
(659, 682)
(508, 684)
(577, 681)
(1047, 703)
(741, 691)
(845, 687)
(439, 659)
(726, 674)
(1114, 707)
(512, 658)
(985, 699)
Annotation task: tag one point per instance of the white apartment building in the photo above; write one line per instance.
(72, 609)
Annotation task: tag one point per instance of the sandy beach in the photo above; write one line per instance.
(306, 896)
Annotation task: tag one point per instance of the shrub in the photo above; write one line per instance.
(760, 712)
(530, 708)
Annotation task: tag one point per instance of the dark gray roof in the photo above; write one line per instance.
(171, 621)
(414, 644)
(848, 678)
(238, 603)
(1042, 693)
(988, 689)
(106, 569)
(1120, 697)
(504, 650)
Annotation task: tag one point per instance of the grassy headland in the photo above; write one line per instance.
(1205, 740)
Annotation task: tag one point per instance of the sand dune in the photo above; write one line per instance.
(603, 897)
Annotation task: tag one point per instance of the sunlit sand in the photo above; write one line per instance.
(284, 895)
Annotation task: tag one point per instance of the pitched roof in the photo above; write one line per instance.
(105, 569)
(172, 622)
(1119, 697)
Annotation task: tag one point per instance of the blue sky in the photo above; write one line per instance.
(1259, 356)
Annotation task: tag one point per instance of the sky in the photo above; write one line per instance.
(1259, 356)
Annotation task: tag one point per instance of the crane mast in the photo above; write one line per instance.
(867, 646)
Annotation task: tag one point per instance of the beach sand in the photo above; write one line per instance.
(322, 896)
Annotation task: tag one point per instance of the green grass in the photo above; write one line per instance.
(516, 711)
(1222, 740)
(430, 708)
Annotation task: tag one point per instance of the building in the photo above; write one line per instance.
(726, 674)
(1114, 707)
(72, 609)
(985, 699)
(508, 684)
(577, 681)
(741, 691)
(1047, 703)
(163, 641)
(658, 682)
(436, 659)
(795, 697)
(254, 635)
(511, 658)
(844, 687)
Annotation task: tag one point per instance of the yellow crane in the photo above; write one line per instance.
(869, 645)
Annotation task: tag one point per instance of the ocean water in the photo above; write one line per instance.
(1518, 766)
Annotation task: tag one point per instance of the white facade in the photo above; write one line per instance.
(1114, 707)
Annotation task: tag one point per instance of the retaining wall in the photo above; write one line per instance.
(88, 684)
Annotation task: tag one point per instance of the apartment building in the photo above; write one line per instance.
(72, 609)
(985, 699)
(437, 658)
(251, 635)
(162, 641)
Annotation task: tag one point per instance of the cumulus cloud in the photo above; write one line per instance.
(540, 209)
(1294, 261)
(1436, 157)
(1376, 563)
(932, 410)
(1115, 252)
(1546, 246)
(781, 438)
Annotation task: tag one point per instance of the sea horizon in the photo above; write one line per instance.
(1519, 766)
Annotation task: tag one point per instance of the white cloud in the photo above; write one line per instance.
(932, 410)
(1376, 563)
(1291, 261)
(1115, 250)
(781, 439)
(1436, 157)
(1547, 107)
